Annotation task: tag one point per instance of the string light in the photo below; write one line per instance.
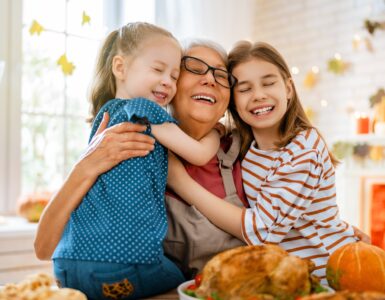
(295, 70)
(315, 69)
(324, 103)
(357, 38)
(337, 56)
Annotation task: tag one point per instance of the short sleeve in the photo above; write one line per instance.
(147, 110)
(137, 110)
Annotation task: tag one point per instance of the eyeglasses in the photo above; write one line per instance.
(198, 66)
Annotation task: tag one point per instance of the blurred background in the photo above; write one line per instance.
(335, 49)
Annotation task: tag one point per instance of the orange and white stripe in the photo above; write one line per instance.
(292, 197)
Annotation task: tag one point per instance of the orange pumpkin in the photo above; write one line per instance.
(357, 267)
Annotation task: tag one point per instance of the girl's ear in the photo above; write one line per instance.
(118, 67)
(289, 88)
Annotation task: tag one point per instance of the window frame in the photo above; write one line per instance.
(10, 104)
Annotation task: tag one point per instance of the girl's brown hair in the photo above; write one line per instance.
(123, 41)
(294, 120)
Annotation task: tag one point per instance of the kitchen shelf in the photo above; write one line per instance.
(371, 139)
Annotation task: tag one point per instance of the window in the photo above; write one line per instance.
(54, 105)
(43, 111)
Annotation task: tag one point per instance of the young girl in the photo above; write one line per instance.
(287, 170)
(112, 244)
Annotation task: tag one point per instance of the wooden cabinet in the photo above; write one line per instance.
(17, 256)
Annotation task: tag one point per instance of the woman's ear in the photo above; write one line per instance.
(118, 67)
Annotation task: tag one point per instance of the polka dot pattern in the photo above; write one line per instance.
(122, 218)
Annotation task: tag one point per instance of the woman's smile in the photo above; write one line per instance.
(207, 98)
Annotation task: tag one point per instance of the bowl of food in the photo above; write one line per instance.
(186, 290)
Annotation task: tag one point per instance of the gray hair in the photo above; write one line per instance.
(192, 43)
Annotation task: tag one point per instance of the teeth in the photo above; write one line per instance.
(159, 94)
(262, 110)
(207, 98)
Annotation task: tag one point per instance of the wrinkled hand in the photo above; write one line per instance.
(363, 237)
(176, 171)
(110, 146)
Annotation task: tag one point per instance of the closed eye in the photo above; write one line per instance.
(244, 90)
(269, 83)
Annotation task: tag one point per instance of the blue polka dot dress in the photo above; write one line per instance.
(122, 218)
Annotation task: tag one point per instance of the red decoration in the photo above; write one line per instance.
(377, 231)
(362, 124)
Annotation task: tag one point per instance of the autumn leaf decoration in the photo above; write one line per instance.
(337, 66)
(377, 97)
(311, 79)
(36, 28)
(85, 18)
(66, 66)
(358, 41)
(372, 26)
(309, 113)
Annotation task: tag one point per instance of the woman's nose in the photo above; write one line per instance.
(208, 78)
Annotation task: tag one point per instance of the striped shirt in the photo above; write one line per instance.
(292, 197)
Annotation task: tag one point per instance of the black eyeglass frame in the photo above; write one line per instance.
(231, 78)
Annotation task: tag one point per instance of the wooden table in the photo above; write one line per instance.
(171, 295)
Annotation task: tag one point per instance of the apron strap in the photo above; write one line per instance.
(226, 161)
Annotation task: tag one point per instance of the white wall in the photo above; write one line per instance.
(310, 32)
(223, 21)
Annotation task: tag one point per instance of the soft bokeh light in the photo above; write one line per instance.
(295, 70)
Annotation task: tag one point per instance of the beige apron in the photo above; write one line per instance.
(192, 239)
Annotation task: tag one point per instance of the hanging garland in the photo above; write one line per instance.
(358, 151)
(67, 67)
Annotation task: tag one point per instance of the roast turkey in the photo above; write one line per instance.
(262, 272)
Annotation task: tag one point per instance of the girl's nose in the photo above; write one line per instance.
(166, 81)
(259, 95)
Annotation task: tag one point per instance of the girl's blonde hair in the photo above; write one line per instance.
(294, 120)
(125, 41)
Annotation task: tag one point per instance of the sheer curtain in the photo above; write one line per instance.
(223, 21)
